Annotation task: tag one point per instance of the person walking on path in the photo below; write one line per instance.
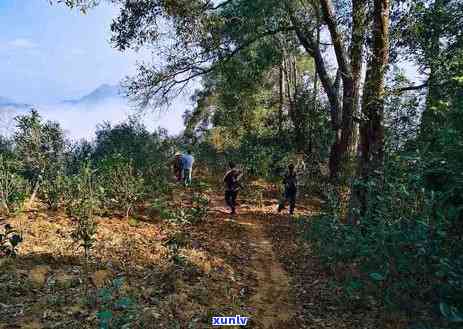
(177, 164)
(290, 190)
(232, 186)
(187, 166)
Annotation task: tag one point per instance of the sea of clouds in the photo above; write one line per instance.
(81, 120)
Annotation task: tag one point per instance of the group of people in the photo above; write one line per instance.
(183, 165)
(232, 180)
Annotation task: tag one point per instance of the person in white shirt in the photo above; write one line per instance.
(187, 166)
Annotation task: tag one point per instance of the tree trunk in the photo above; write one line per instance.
(350, 74)
(315, 89)
(358, 36)
(34, 193)
(5, 204)
(431, 119)
(347, 130)
(335, 160)
(350, 71)
(280, 109)
(370, 164)
(296, 113)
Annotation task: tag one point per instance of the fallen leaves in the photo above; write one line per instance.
(215, 272)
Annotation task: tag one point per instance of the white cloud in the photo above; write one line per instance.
(22, 43)
(80, 121)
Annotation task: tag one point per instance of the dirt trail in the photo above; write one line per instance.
(272, 304)
(272, 301)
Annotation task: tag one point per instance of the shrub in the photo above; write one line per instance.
(40, 146)
(161, 208)
(13, 188)
(149, 154)
(197, 212)
(81, 204)
(123, 185)
(53, 188)
(405, 252)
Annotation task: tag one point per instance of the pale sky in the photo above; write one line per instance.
(50, 53)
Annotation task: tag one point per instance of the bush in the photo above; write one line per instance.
(161, 208)
(40, 147)
(81, 203)
(405, 252)
(199, 208)
(123, 185)
(149, 154)
(13, 188)
(53, 188)
(195, 213)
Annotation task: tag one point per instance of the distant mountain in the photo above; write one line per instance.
(11, 104)
(102, 93)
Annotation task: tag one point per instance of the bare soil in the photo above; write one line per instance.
(247, 265)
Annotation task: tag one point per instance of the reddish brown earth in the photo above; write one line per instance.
(249, 265)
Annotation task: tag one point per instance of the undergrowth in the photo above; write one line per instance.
(405, 253)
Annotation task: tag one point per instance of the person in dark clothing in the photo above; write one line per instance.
(232, 186)
(177, 164)
(290, 190)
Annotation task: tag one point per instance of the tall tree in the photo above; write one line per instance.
(349, 69)
(429, 32)
(372, 127)
(206, 36)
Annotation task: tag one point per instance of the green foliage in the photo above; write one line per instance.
(77, 153)
(148, 154)
(123, 185)
(401, 115)
(405, 250)
(13, 188)
(115, 311)
(200, 206)
(53, 188)
(162, 209)
(197, 212)
(7, 147)
(39, 145)
(174, 244)
(82, 5)
(81, 204)
(193, 213)
(9, 241)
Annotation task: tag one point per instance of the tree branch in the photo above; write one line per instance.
(162, 83)
(220, 5)
(410, 88)
(339, 49)
(313, 49)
